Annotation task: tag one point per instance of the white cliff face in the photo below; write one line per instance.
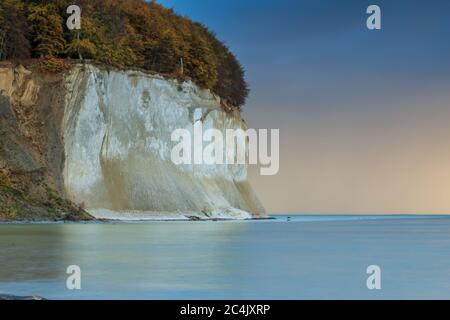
(117, 130)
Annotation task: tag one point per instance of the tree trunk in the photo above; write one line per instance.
(78, 48)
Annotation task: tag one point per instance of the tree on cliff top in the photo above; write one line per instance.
(46, 29)
(13, 30)
(123, 33)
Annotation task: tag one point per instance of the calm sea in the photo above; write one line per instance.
(304, 257)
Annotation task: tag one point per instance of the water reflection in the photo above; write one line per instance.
(157, 258)
(31, 252)
(301, 259)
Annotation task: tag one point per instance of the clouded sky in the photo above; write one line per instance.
(364, 116)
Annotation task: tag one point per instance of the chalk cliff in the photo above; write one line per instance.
(102, 140)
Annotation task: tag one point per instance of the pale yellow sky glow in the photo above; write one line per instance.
(391, 159)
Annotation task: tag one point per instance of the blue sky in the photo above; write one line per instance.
(341, 92)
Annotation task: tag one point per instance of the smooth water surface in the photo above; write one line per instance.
(308, 257)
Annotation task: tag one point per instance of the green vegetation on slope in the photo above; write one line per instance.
(34, 201)
(123, 33)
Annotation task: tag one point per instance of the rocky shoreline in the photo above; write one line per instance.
(8, 297)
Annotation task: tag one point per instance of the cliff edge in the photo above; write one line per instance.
(97, 142)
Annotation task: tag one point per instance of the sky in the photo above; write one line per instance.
(364, 115)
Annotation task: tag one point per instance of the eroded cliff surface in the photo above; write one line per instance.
(31, 147)
(103, 141)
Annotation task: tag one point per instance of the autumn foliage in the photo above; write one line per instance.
(123, 33)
